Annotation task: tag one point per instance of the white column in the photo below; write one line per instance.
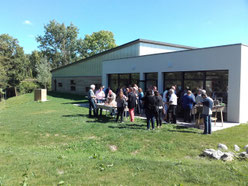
(160, 82)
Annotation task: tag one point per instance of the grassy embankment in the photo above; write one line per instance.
(55, 142)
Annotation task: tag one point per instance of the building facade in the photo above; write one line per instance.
(222, 71)
(77, 77)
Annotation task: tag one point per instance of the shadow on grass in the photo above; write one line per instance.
(99, 119)
(77, 102)
(66, 96)
(75, 115)
(129, 126)
(181, 129)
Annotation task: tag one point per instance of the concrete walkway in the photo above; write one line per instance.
(216, 127)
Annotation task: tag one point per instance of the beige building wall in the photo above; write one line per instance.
(81, 84)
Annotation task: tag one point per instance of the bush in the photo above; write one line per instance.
(27, 87)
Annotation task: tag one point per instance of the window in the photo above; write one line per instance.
(116, 81)
(151, 79)
(73, 82)
(73, 88)
(214, 82)
(60, 84)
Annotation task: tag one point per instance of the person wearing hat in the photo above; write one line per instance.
(207, 112)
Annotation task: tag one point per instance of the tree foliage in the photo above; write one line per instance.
(34, 59)
(43, 72)
(12, 60)
(59, 44)
(3, 74)
(96, 43)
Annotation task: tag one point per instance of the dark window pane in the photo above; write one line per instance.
(134, 79)
(73, 88)
(173, 75)
(193, 85)
(113, 81)
(217, 75)
(170, 83)
(124, 80)
(193, 75)
(152, 76)
(151, 79)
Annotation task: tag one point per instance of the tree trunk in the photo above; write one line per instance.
(15, 91)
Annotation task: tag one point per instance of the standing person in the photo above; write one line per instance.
(199, 98)
(187, 103)
(121, 105)
(173, 105)
(207, 112)
(159, 108)
(100, 97)
(140, 96)
(131, 103)
(149, 106)
(92, 100)
(166, 103)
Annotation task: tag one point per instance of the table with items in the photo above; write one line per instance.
(197, 111)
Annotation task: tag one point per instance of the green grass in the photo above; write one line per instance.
(55, 142)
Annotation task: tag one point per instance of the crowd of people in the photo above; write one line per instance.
(156, 107)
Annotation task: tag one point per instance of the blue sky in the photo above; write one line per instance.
(199, 23)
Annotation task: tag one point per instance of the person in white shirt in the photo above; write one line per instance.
(173, 105)
(199, 98)
(166, 103)
(100, 97)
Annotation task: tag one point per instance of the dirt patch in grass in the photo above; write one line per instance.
(113, 148)
(135, 152)
(43, 112)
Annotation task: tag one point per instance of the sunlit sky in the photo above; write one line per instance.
(198, 23)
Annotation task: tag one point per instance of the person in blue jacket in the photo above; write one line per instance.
(188, 102)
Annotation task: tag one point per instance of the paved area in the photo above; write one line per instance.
(215, 127)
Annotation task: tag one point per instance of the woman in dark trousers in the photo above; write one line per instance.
(159, 108)
(131, 103)
(149, 106)
(121, 105)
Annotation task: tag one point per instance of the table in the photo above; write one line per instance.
(110, 108)
(106, 107)
(215, 109)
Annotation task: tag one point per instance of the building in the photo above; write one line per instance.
(77, 77)
(221, 70)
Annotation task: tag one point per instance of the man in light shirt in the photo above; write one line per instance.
(173, 105)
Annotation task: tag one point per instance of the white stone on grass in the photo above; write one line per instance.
(227, 156)
(246, 147)
(217, 154)
(236, 148)
(222, 146)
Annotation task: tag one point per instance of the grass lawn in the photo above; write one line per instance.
(55, 143)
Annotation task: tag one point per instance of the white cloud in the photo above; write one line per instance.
(27, 22)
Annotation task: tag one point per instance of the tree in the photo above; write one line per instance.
(3, 75)
(59, 44)
(34, 58)
(43, 72)
(13, 60)
(96, 43)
